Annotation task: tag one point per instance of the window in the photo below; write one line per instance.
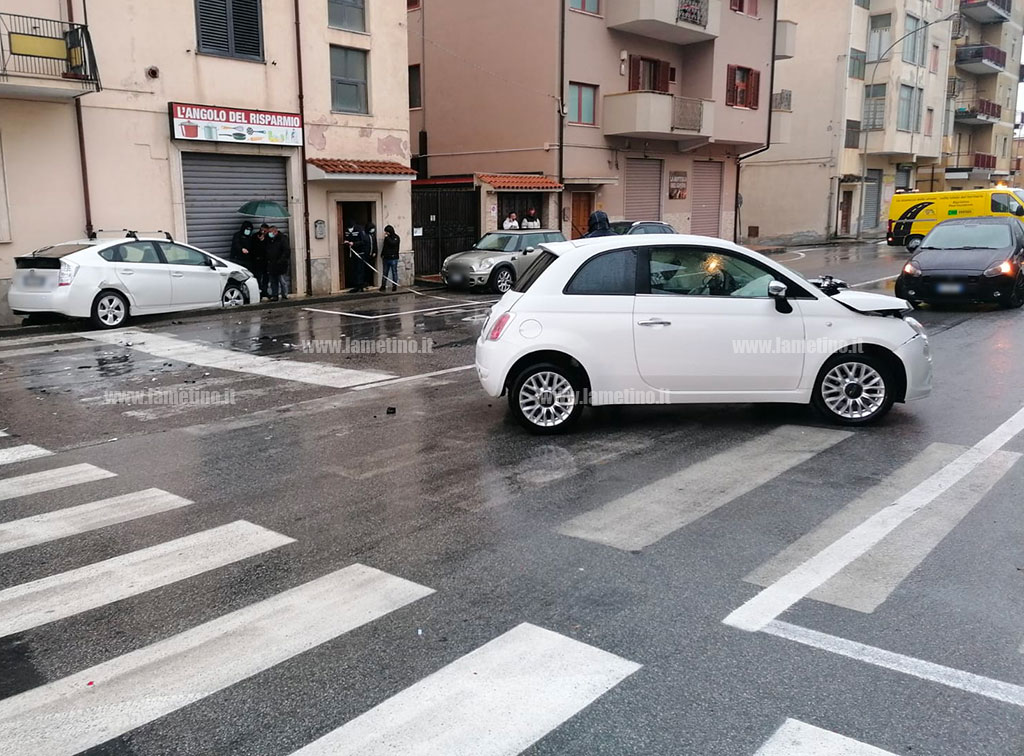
(347, 14)
(176, 254)
(415, 92)
(874, 107)
(608, 273)
(933, 61)
(879, 38)
(939, 4)
(412, 4)
(743, 87)
(749, 7)
(230, 27)
(587, 6)
(348, 80)
(5, 217)
(912, 45)
(1005, 151)
(852, 135)
(909, 116)
(539, 265)
(695, 271)
(649, 74)
(582, 104)
(857, 61)
(929, 122)
(862, 3)
(131, 252)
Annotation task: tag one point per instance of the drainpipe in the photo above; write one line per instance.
(561, 112)
(86, 196)
(305, 166)
(768, 136)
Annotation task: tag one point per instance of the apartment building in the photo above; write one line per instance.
(869, 104)
(984, 72)
(170, 115)
(639, 108)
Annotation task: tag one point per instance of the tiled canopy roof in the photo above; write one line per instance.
(371, 167)
(520, 182)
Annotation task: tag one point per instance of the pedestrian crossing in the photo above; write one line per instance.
(796, 738)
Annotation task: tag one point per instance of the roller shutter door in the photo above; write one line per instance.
(217, 185)
(872, 198)
(642, 201)
(706, 210)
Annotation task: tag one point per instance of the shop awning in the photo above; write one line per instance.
(519, 182)
(334, 169)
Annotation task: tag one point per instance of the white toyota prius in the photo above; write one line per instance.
(689, 319)
(110, 280)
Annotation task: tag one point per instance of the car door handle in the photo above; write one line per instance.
(125, 272)
(177, 275)
(654, 322)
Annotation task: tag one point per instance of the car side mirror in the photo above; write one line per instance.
(211, 263)
(1019, 211)
(914, 244)
(528, 250)
(777, 291)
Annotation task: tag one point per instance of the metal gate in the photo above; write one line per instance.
(706, 209)
(642, 200)
(217, 185)
(447, 219)
(872, 198)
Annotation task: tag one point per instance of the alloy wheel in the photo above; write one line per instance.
(503, 280)
(853, 390)
(232, 297)
(547, 399)
(111, 310)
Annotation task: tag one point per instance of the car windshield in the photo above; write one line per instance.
(968, 236)
(497, 243)
(538, 266)
(60, 250)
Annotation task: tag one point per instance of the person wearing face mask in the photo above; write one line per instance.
(258, 250)
(389, 256)
(240, 245)
(358, 243)
(279, 255)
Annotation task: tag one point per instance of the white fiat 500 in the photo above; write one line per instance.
(109, 280)
(689, 319)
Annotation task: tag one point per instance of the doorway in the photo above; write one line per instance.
(582, 207)
(351, 213)
(846, 213)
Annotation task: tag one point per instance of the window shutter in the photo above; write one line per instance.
(663, 76)
(754, 90)
(634, 73)
(730, 86)
(245, 28)
(212, 21)
(736, 5)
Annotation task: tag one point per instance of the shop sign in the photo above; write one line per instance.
(677, 185)
(210, 123)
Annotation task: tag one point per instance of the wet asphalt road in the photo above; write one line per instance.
(448, 493)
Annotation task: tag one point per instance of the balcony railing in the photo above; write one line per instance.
(987, 11)
(42, 48)
(974, 54)
(979, 108)
(693, 12)
(687, 113)
(783, 101)
(987, 162)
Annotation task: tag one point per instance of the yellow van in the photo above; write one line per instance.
(913, 214)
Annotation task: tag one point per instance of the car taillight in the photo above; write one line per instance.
(890, 226)
(499, 326)
(67, 273)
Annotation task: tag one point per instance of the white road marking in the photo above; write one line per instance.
(799, 256)
(21, 453)
(51, 480)
(826, 564)
(166, 347)
(54, 349)
(796, 738)
(90, 707)
(908, 665)
(648, 514)
(4, 434)
(466, 303)
(867, 582)
(495, 701)
(874, 281)
(419, 377)
(52, 526)
(68, 593)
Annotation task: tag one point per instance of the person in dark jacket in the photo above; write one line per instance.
(258, 250)
(599, 225)
(279, 257)
(371, 231)
(358, 243)
(389, 255)
(241, 244)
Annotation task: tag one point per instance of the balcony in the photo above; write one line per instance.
(45, 59)
(1015, 164)
(984, 162)
(681, 22)
(981, 59)
(978, 113)
(785, 39)
(655, 115)
(987, 11)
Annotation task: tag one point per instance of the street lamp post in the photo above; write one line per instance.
(869, 87)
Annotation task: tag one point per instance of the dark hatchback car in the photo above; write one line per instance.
(628, 227)
(966, 260)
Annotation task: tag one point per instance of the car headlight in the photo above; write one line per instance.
(485, 264)
(1005, 268)
(242, 276)
(912, 269)
(916, 325)
(444, 265)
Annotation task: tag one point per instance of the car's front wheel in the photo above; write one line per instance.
(109, 310)
(1016, 298)
(854, 389)
(502, 280)
(233, 295)
(546, 398)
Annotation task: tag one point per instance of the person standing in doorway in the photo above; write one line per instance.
(511, 222)
(358, 243)
(371, 231)
(279, 258)
(389, 256)
(531, 219)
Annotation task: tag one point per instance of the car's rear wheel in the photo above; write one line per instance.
(546, 398)
(503, 279)
(109, 310)
(233, 296)
(854, 389)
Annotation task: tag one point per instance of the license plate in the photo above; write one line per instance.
(33, 280)
(455, 277)
(950, 288)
